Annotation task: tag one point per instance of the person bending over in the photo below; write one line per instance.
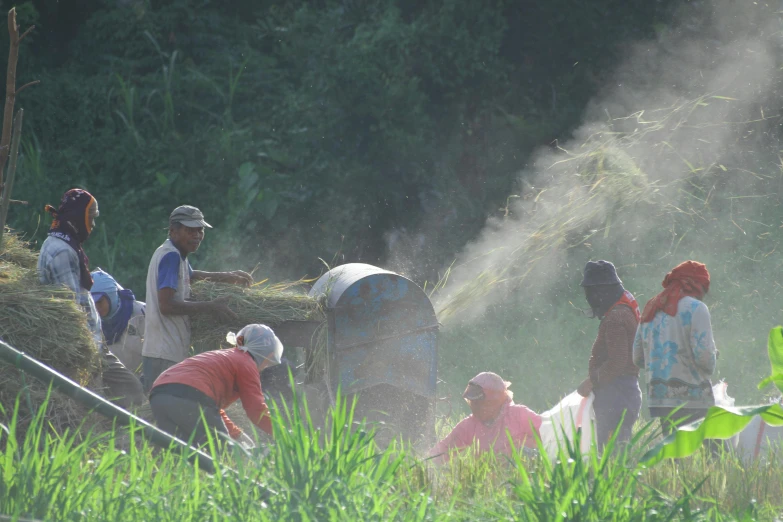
(493, 415)
(210, 382)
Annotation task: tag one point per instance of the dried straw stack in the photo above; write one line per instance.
(46, 323)
(266, 304)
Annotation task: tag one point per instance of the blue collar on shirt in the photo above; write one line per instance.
(178, 250)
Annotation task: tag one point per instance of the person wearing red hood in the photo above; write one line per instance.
(613, 377)
(494, 415)
(675, 347)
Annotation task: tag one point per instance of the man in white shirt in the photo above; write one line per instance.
(169, 309)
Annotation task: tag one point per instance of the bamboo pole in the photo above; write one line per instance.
(10, 89)
(9, 182)
(88, 398)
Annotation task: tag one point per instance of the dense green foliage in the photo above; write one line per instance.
(302, 129)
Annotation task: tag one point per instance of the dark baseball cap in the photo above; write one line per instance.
(188, 216)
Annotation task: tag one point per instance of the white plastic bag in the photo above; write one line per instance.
(572, 413)
(722, 398)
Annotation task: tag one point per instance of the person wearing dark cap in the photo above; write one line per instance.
(169, 309)
(613, 376)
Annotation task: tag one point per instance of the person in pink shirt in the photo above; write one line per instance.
(494, 414)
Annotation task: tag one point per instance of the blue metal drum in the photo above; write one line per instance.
(383, 330)
(383, 341)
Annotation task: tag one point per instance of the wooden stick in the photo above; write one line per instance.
(10, 88)
(9, 184)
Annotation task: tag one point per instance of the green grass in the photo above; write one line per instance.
(339, 473)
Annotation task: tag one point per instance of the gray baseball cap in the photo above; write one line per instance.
(188, 216)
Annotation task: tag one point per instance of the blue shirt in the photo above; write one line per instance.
(168, 270)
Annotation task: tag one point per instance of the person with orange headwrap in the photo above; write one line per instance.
(493, 415)
(62, 261)
(675, 347)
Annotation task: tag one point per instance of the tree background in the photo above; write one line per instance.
(375, 131)
(395, 133)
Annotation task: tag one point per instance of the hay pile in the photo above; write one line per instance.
(45, 323)
(269, 304)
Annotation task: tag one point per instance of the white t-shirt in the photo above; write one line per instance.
(167, 337)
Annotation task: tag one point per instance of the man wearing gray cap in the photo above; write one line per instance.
(169, 309)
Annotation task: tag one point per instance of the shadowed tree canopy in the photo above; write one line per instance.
(344, 130)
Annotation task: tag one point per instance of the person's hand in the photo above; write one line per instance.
(224, 313)
(239, 277)
(585, 388)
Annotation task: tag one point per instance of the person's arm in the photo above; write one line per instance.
(638, 348)
(586, 387)
(702, 343)
(234, 431)
(236, 277)
(460, 437)
(252, 398)
(168, 282)
(170, 306)
(616, 339)
(529, 422)
(64, 270)
(140, 318)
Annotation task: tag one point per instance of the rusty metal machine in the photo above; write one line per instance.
(382, 344)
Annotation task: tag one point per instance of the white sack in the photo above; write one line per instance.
(573, 412)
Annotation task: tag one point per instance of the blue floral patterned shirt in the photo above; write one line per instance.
(678, 356)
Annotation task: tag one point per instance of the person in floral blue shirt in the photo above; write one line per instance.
(675, 347)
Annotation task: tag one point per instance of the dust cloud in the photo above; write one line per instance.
(685, 118)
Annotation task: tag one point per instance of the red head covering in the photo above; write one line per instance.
(495, 395)
(690, 278)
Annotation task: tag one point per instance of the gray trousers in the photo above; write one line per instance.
(151, 368)
(122, 386)
(182, 417)
(622, 395)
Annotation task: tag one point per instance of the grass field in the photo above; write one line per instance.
(338, 473)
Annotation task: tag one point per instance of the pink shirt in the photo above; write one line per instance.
(520, 421)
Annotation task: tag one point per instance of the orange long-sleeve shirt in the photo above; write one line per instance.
(224, 376)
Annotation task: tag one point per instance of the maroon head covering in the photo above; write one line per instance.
(72, 224)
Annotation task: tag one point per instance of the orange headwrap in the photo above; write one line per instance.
(690, 278)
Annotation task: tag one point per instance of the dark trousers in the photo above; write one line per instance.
(151, 368)
(681, 417)
(622, 395)
(122, 386)
(182, 417)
